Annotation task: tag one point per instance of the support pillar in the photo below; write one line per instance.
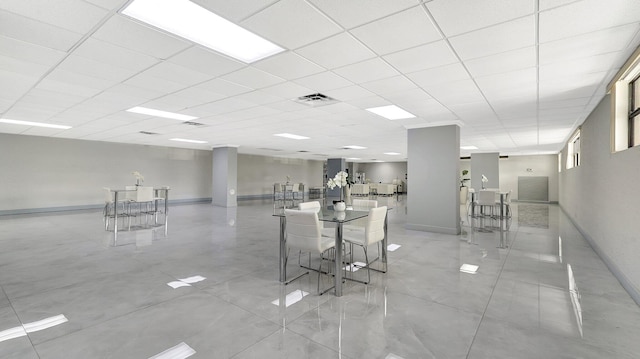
(225, 176)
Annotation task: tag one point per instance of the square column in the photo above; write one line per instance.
(433, 167)
(225, 176)
(335, 165)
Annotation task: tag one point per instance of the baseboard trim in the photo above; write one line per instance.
(624, 281)
(172, 202)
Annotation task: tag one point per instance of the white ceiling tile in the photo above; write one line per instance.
(422, 57)
(349, 93)
(431, 77)
(577, 67)
(366, 71)
(122, 31)
(287, 21)
(223, 87)
(287, 106)
(503, 62)
(75, 15)
(32, 31)
(456, 92)
(336, 51)
(412, 97)
(88, 67)
(474, 112)
(252, 78)
(52, 98)
(236, 10)
(459, 16)
(108, 4)
(68, 84)
(389, 85)
(583, 101)
(507, 36)
(224, 106)
(114, 55)
(521, 83)
(260, 97)
(288, 65)
(11, 64)
(586, 16)
(205, 61)
(368, 102)
(324, 81)
(288, 90)
(176, 73)
(29, 52)
(411, 28)
(357, 12)
(146, 81)
(595, 43)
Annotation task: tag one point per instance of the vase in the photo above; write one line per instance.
(340, 206)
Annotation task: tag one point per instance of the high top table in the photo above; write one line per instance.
(327, 215)
(156, 191)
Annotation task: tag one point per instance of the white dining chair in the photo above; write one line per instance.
(360, 205)
(315, 206)
(303, 232)
(507, 203)
(372, 234)
(109, 207)
(486, 198)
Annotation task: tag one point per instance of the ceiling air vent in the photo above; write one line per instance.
(316, 99)
(191, 123)
(148, 133)
(269, 149)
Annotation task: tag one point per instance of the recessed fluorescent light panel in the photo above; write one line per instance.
(291, 136)
(185, 140)
(36, 124)
(354, 158)
(392, 153)
(468, 147)
(391, 112)
(158, 113)
(354, 147)
(195, 23)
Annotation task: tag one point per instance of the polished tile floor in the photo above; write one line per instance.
(519, 304)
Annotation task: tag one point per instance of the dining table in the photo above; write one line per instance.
(503, 198)
(328, 214)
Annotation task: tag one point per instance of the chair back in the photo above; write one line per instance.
(374, 230)
(486, 198)
(107, 195)
(131, 193)
(364, 204)
(303, 206)
(303, 230)
(144, 194)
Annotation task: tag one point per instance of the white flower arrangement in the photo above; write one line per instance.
(484, 179)
(339, 180)
(138, 176)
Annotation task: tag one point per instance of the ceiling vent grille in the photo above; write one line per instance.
(191, 123)
(316, 99)
(148, 133)
(269, 149)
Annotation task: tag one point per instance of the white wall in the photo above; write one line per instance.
(257, 174)
(601, 196)
(44, 172)
(541, 165)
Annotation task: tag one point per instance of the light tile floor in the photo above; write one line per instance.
(119, 305)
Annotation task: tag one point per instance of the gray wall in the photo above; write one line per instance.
(516, 166)
(601, 197)
(47, 173)
(257, 174)
(384, 172)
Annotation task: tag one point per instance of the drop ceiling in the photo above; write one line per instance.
(517, 76)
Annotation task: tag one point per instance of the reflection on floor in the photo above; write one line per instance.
(521, 303)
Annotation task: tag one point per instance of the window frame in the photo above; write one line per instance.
(634, 112)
